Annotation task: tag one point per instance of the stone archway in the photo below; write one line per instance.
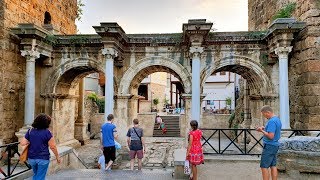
(258, 85)
(133, 76)
(252, 71)
(77, 69)
(61, 98)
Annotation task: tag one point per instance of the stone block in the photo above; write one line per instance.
(179, 159)
(309, 78)
(300, 154)
(146, 122)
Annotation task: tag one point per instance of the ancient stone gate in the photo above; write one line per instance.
(57, 63)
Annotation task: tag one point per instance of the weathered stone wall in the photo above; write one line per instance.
(215, 120)
(304, 63)
(64, 112)
(12, 65)
(63, 14)
(146, 122)
(159, 92)
(96, 122)
(144, 106)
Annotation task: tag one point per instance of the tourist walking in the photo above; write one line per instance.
(39, 139)
(158, 121)
(271, 135)
(136, 144)
(194, 150)
(108, 135)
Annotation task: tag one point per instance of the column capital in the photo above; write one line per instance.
(30, 54)
(110, 53)
(283, 51)
(196, 51)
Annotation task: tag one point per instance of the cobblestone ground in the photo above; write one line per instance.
(90, 153)
(159, 152)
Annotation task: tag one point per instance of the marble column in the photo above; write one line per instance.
(81, 125)
(29, 103)
(283, 53)
(195, 102)
(110, 54)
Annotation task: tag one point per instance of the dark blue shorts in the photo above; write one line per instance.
(269, 156)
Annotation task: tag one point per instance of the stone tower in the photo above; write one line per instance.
(304, 63)
(58, 17)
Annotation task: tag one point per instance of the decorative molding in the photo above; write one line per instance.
(196, 51)
(30, 55)
(110, 53)
(300, 143)
(283, 52)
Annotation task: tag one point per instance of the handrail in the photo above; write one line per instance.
(10, 150)
(240, 139)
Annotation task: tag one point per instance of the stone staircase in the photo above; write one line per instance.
(172, 125)
(145, 174)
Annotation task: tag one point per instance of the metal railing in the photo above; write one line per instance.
(240, 141)
(8, 152)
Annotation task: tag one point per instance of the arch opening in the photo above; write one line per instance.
(47, 18)
(241, 94)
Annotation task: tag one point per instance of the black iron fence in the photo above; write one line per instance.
(241, 141)
(9, 161)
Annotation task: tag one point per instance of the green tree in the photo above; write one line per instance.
(80, 5)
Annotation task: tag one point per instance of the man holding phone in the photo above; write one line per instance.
(271, 135)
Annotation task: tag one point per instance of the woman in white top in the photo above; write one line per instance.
(159, 121)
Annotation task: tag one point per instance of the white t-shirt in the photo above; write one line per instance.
(102, 162)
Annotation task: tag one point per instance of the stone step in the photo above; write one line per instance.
(145, 174)
(169, 126)
(168, 130)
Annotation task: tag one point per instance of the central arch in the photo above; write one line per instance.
(136, 73)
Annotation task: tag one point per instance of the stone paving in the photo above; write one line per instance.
(90, 153)
(211, 170)
(93, 174)
(159, 152)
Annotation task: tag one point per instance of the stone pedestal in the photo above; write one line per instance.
(20, 134)
(80, 132)
(179, 158)
(121, 118)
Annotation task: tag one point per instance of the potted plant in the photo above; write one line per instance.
(156, 102)
(228, 102)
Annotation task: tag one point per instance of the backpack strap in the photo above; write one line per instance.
(136, 133)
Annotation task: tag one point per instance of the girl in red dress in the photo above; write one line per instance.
(194, 151)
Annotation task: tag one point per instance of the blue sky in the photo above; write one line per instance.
(163, 16)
